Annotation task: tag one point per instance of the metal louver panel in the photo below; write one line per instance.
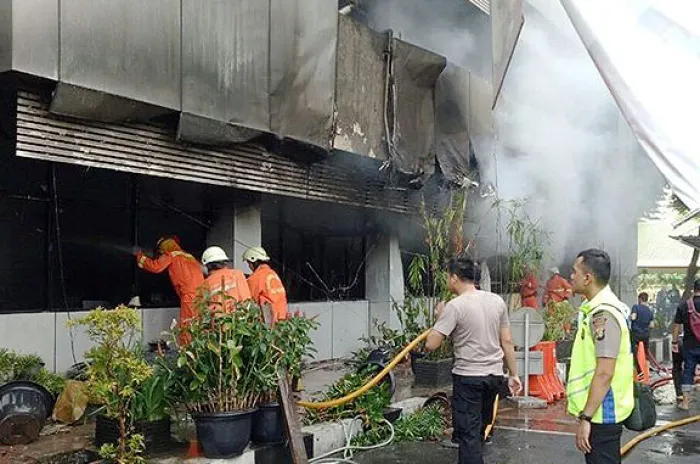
(152, 150)
(483, 5)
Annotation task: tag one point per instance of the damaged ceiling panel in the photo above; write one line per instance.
(225, 68)
(303, 41)
(414, 74)
(452, 123)
(479, 35)
(128, 49)
(360, 90)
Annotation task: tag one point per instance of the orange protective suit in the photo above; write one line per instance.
(266, 287)
(558, 289)
(528, 291)
(184, 271)
(232, 282)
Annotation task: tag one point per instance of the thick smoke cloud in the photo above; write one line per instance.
(560, 140)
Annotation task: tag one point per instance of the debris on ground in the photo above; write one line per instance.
(665, 394)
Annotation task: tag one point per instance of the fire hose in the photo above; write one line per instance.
(655, 431)
(377, 378)
(397, 359)
(374, 381)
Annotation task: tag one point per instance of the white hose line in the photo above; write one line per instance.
(348, 449)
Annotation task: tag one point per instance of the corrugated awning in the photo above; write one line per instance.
(690, 240)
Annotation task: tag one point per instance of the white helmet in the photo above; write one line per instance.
(214, 254)
(255, 254)
(554, 270)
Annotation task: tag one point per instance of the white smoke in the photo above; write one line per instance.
(561, 141)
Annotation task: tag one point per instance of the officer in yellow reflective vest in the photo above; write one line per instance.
(600, 388)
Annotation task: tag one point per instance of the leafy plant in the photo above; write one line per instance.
(153, 398)
(116, 370)
(54, 383)
(232, 359)
(527, 243)
(15, 366)
(291, 335)
(444, 237)
(558, 318)
(370, 406)
(426, 424)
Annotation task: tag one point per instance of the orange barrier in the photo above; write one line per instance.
(547, 386)
(642, 361)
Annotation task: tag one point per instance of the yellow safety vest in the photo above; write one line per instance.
(619, 401)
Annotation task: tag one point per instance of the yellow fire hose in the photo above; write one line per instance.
(375, 380)
(653, 432)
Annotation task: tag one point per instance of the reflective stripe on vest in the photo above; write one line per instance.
(619, 401)
(183, 254)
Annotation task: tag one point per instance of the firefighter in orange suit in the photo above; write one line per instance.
(265, 285)
(222, 278)
(557, 289)
(528, 291)
(183, 268)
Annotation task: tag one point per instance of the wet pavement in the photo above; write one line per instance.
(547, 437)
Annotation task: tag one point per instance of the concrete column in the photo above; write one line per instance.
(238, 226)
(247, 231)
(384, 281)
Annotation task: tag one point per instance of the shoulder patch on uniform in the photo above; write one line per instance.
(599, 323)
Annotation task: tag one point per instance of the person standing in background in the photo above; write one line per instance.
(688, 319)
(528, 290)
(557, 288)
(642, 318)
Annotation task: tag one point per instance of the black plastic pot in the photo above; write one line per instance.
(24, 408)
(429, 373)
(392, 414)
(268, 425)
(224, 435)
(156, 434)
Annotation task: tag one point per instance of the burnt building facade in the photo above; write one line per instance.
(233, 123)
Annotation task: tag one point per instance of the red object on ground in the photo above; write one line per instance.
(194, 451)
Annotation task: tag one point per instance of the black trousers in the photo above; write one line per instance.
(472, 411)
(605, 444)
(677, 371)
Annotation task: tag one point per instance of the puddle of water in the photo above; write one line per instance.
(672, 444)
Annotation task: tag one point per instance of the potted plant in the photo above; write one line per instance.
(428, 285)
(219, 374)
(292, 343)
(115, 372)
(150, 412)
